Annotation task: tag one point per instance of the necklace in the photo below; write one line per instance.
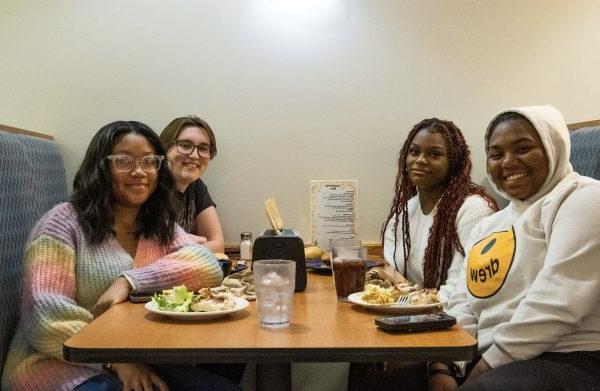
(131, 251)
(124, 230)
(127, 238)
(129, 244)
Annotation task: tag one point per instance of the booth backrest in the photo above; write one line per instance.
(32, 180)
(585, 151)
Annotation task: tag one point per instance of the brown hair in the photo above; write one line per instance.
(443, 239)
(174, 128)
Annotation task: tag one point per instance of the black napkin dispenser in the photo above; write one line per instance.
(285, 245)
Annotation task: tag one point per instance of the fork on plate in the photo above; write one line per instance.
(403, 300)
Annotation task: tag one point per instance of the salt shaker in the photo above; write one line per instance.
(246, 248)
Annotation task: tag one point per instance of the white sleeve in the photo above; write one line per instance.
(472, 211)
(566, 290)
(459, 307)
(458, 304)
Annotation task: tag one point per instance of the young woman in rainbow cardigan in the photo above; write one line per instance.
(116, 236)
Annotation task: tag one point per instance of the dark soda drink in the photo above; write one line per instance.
(349, 276)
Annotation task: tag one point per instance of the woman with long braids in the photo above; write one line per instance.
(435, 206)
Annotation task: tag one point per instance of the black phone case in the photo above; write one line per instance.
(409, 324)
(140, 297)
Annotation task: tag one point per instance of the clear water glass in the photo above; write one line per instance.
(274, 281)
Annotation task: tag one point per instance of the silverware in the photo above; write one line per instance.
(403, 300)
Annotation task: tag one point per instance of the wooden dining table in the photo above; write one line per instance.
(322, 329)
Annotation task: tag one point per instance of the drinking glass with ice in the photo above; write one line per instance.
(274, 281)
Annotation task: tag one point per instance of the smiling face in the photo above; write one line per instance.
(427, 160)
(516, 158)
(187, 168)
(133, 188)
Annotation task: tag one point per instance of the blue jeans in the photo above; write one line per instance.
(178, 377)
(104, 382)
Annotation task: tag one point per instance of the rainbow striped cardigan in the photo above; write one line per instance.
(63, 278)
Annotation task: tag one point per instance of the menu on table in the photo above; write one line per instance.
(334, 210)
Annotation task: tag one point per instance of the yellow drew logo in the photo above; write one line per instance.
(489, 263)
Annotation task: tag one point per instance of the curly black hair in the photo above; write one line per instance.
(92, 198)
(443, 239)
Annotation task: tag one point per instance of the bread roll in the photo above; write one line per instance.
(313, 252)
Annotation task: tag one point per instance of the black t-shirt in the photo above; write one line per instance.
(192, 201)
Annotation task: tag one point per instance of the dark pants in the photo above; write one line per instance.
(178, 377)
(233, 372)
(404, 376)
(575, 371)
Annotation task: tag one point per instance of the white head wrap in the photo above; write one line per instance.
(551, 126)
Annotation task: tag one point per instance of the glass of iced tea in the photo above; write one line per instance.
(349, 266)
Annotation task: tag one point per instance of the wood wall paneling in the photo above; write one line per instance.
(374, 250)
(11, 129)
(585, 124)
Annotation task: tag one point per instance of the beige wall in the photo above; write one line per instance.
(293, 96)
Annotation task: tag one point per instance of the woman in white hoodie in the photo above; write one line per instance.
(531, 288)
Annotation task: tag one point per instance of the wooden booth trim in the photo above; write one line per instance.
(585, 124)
(374, 249)
(11, 129)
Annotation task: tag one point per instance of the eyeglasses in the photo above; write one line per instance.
(150, 163)
(186, 147)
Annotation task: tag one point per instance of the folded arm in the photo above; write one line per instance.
(190, 264)
(208, 226)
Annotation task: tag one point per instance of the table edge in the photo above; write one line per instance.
(87, 355)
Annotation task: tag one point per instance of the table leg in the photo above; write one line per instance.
(273, 376)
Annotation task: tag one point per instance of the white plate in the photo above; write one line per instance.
(391, 308)
(240, 304)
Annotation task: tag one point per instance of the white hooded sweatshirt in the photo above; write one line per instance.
(532, 280)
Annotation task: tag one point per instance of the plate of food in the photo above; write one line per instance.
(321, 267)
(183, 304)
(412, 298)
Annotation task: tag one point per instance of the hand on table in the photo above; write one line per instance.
(479, 368)
(117, 293)
(138, 377)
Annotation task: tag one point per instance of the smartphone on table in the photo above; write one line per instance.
(140, 297)
(414, 323)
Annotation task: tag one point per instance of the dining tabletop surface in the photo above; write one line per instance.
(322, 329)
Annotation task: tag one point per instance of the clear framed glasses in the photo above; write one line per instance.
(186, 147)
(124, 163)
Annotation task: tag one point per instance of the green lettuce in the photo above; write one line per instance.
(177, 299)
